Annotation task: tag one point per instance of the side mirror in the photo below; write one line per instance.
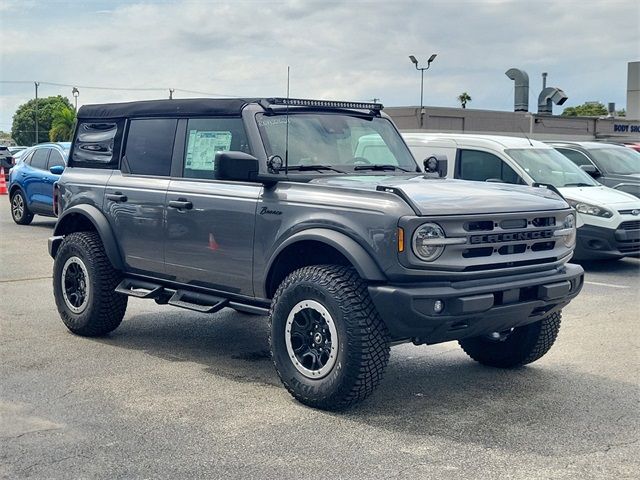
(237, 166)
(591, 170)
(57, 169)
(436, 166)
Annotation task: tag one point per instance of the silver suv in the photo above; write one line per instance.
(286, 208)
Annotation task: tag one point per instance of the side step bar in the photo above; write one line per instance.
(200, 302)
(139, 289)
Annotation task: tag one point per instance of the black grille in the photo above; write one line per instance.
(632, 225)
(483, 225)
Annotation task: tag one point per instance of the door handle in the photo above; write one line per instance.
(181, 204)
(116, 197)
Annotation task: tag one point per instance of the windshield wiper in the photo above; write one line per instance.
(379, 167)
(578, 185)
(306, 168)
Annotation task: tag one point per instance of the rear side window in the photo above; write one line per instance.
(482, 166)
(97, 144)
(576, 157)
(206, 137)
(149, 147)
(39, 159)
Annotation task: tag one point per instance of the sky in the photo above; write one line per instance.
(345, 50)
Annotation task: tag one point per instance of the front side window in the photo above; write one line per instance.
(548, 166)
(622, 160)
(576, 157)
(96, 144)
(55, 160)
(149, 147)
(39, 159)
(340, 141)
(208, 136)
(484, 166)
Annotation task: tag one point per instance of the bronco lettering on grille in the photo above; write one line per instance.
(510, 237)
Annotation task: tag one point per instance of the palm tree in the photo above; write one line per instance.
(62, 125)
(463, 98)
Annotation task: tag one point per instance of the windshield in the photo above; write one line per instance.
(546, 165)
(340, 141)
(623, 161)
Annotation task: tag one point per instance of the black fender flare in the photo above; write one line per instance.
(65, 224)
(364, 264)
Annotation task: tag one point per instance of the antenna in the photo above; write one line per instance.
(286, 141)
(525, 135)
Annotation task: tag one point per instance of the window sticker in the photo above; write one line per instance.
(202, 148)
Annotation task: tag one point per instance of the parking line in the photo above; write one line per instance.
(607, 285)
(12, 280)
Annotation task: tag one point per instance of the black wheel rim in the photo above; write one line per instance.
(75, 284)
(312, 339)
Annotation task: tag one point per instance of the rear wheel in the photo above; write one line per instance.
(84, 283)
(19, 210)
(516, 347)
(328, 344)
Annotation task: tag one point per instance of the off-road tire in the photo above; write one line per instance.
(105, 308)
(26, 217)
(363, 346)
(524, 345)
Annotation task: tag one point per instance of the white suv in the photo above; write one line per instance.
(610, 219)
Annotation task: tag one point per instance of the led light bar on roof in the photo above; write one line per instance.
(299, 102)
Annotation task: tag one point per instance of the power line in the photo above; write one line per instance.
(132, 89)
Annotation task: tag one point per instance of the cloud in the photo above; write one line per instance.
(350, 50)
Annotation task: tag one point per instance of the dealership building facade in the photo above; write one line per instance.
(523, 123)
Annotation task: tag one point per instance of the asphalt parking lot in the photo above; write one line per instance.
(177, 394)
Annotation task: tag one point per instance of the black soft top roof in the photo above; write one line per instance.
(179, 108)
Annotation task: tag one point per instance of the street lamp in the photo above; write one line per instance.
(75, 92)
(414, 60)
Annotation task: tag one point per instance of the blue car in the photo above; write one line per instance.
(31, 181)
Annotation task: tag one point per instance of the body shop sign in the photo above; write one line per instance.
(626, 128)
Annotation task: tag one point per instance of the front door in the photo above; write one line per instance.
(210, 223)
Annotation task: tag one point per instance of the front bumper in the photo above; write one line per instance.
(595, 243)
(474, 307)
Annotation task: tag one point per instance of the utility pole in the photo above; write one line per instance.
(171, 90)
(37, 84)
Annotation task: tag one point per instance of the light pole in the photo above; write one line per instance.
(37, 84)
(422, 69)
(75, 92)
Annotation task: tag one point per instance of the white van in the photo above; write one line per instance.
(610, 218)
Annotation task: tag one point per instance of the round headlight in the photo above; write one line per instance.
(425, 242)
(570, 222)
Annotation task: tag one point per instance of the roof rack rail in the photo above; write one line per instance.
(300, 102)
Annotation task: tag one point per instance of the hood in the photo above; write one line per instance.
(435, 196)
(602, 196)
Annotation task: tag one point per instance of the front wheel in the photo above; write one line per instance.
(328, 343)
(84, 283)
(515, 347)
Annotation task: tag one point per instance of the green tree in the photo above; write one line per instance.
(24, 122)
(463, 98)
(62, 125)
(588, 109)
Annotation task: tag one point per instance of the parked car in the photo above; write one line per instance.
(608, 219)
(17, 148)
(6, 159)
(612, 165)
(31, 181)
(20, 154)
(268, 206)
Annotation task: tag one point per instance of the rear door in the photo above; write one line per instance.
(210, 223)
(135, 195)
(34, 180)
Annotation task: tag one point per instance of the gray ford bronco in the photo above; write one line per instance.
(315, 214)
